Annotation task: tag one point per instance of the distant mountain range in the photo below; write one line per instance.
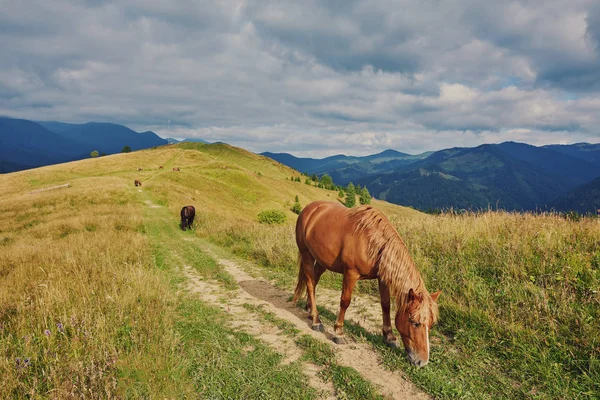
(27, 144)
(510, 176)
(344, 169)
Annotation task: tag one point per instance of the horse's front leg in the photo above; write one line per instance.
(388, 335)
(350, 279)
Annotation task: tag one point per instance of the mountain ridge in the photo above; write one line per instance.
(28, 144)
(509, 175)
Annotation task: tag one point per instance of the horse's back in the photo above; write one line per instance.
(325, 229)
(188, 211)
(316, 216)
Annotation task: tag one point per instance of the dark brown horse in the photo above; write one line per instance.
(137, 183)
(160, 167)
(361, 243)
(187, 217)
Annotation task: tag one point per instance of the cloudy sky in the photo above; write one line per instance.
(312, 78)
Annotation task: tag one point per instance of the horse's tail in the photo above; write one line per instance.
(301, 285)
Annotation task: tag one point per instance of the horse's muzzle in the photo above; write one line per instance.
(416, 361)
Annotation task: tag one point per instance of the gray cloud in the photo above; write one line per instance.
(311, 78)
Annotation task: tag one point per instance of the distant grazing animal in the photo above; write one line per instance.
(361, 243)
(140, 169)
(138, 183)
(161, 167)
(187, 217)
(175, 169)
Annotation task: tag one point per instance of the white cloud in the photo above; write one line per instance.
(313, 79)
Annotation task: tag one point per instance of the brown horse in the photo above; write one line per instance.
(187, 217)
(175, 169)
(361, 243)
(137, 183)
(160, 167)
(140, 169)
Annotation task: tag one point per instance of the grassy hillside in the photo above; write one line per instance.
(91, 304)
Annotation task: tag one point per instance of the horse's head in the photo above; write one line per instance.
(413, 324)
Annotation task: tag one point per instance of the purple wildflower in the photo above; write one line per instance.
(47, 332)
(60, 327)
(24, 363)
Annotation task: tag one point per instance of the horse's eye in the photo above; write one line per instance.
(416, 324)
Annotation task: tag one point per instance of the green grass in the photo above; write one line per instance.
(286, 327)
(228, 364)
(221, 362)
(173, 246)
(347, 382)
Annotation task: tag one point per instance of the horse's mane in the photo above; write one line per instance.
(395, 265)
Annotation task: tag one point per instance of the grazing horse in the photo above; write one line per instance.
(138, 183)
(175, 169)
(140, 169)
(187, 217)
(161, 167)
(361, 243)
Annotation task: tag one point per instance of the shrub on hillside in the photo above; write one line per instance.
(271, 217)
(296, 208)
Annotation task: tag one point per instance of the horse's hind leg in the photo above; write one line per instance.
(318, 271)
(350, 279)
(388, 335)
(308, 266)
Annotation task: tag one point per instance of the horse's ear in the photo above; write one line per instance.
(434, 296)
(411, 296)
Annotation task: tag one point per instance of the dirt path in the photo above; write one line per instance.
(255, 291)
(258, 292)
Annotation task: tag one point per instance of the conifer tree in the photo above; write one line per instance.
(365, 196)
(350, 195)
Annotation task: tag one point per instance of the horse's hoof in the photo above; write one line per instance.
(318, 327)
(393, 345)
(340, 340)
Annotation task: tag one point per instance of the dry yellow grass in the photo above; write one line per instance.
(79, 299)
